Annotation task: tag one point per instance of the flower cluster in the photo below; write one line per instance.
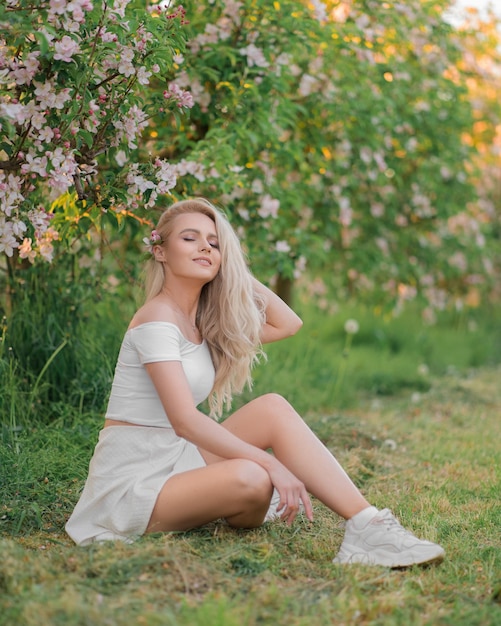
(72, 81)
(369, 178)
(154, 239)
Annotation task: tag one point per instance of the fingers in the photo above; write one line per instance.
(289, 513)
(308, 508)
(290, 505)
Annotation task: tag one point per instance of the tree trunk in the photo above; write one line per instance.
(283, 288)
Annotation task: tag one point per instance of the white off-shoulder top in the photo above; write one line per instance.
(133, 396)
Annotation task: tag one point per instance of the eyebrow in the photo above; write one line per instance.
(194, 230)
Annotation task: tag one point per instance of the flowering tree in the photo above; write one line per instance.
(79, 82)
(333, 132)
(480, 40)
(342, 125)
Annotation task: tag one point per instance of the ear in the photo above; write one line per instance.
(159, 254)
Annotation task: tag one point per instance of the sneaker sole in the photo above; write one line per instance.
(384, 560)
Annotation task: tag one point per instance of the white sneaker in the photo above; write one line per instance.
(383, 541)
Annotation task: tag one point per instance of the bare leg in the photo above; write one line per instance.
(271, 422)
(238, 490)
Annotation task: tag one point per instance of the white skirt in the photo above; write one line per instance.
(126, 473)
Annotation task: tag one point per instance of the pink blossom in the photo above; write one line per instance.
(382, 244)
(437, 298)
(269, 207)
(8, 242)
(58, 6)
(381, 163)
(345, 211)
(125, 65)
(132, 124)
(282, 246)
(119, 7)
(26, 251)
(429, 316)
(18, 227)
(13, 110)
(192, 168)
(46, 134)
(37, 165)
(366, 155)
(24, 73)
(38, 120)
(40, 219)
(65, 49)
(377, 209)
(64, 168)
(49, 97)
(319, 10)
(106, 36)
(121, 158)
(137, 183)
(299, 267)
(307, 85)
(199, 94)
(255, 56)
(184, 98)
(143, 76)
(166, 175)
(406, 292)
(459, 260)
(341, 12)
(46, 250)
(10, 192)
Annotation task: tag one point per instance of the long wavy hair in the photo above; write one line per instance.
(230, 314)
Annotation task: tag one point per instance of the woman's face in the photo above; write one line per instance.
(192, 249)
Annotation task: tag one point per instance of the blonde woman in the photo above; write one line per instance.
(163, 465)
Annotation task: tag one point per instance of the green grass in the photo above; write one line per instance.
(434, 461)
(414, 421)
(321, 368)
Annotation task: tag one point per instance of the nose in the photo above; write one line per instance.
(205, 247)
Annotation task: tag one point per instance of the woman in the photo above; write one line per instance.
(163, 465)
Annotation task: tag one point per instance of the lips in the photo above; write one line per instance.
(202, 260)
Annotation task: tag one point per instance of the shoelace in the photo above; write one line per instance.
(386, 517)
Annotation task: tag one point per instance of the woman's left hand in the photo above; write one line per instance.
(292, 493)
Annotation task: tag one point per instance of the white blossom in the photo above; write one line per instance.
(282, 246)
(65, 49)
(255, 56)
(269, 207)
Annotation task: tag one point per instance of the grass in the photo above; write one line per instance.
(386, 356)
(414, 422)
(434, 461)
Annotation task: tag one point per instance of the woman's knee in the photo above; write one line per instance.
(252, 481)
(275, 403)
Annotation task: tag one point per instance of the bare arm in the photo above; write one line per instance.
(191, 424)
(281, 321)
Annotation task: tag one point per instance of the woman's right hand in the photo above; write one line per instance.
(292, 492)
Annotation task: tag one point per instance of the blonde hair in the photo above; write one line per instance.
(230, 315)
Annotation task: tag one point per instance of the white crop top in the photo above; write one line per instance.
(133, 396)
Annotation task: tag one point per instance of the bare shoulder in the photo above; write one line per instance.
(155, 310)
